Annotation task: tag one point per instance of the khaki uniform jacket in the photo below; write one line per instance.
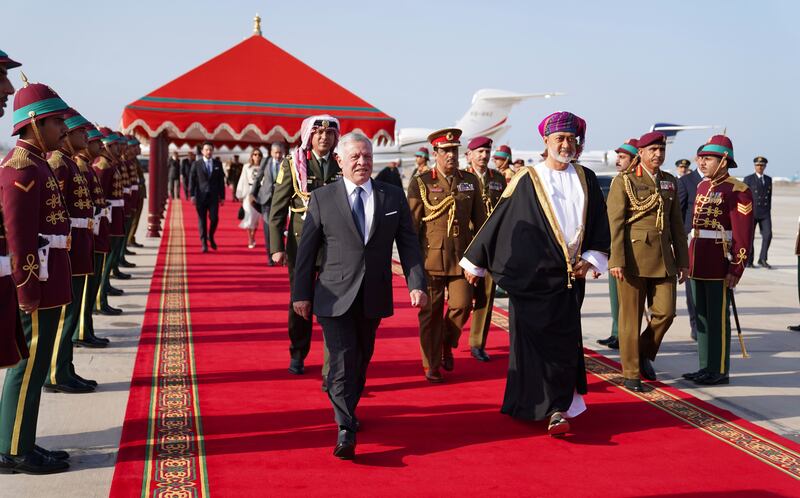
(492, 186)
(443, 251)
(284, 198)
(638, 247)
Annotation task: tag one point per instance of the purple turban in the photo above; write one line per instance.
(563, 121)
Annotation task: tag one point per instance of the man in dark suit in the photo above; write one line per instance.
(207, 187)
(186, 170)
(174, 176)
(264, 185)
(353, 224)
(687, 191)
(761, 186)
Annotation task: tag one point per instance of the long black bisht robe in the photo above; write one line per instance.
(520, 248)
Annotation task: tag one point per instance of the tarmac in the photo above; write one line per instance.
(764, 388)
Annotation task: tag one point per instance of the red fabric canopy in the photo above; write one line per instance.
(253, 93)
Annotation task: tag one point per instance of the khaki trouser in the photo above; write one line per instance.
(482, 314)
(437, 329)
(632, 292)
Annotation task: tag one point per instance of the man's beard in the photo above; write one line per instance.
(554, 152)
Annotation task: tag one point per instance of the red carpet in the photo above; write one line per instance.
(218, 414)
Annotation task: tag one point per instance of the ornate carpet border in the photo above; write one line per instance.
(769, 452)
(175, 465)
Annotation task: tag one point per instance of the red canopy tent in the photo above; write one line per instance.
(253, 93)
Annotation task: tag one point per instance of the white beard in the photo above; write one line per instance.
(558, 157)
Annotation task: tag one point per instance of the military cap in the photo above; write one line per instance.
(7, 61)
(324, 122)
(109, 136)
(682, 163)
(480, 143)
(73, 120)
(631, 146)
(448, 137)
(423, 152)
(652, 137)
(503, 152)
(719, 146)
(93, 133)
(35, 100)
(760, 160)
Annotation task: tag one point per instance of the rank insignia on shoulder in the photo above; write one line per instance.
(25, 188)
(667, 185)
(744, 208)
(465, 187)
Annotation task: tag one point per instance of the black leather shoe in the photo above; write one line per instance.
(766, 265)
(127, 264)
(296, 367)
(646, 369)
(434, 376)
(694, 375)
(479, 354)
(128, 252)
(614, 344)
(213, 244)
(634, 385)
(345, 445)
(120, 275)
(110, 310)
(133, 243)
(31, 463)
(324, 383)
(448, 362)
(70, 387)
(712, 379)
(604, 342)
(101, 339)
(794, 328)
(90, 342)
(88, 382)
(55, 455)
(113, 291)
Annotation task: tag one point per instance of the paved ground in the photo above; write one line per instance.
(764, 389)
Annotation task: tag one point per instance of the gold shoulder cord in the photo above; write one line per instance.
(304, 196)
(435, 211)
(641, 208)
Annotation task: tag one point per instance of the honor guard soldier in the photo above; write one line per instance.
(138, 187)
(796, 328)
(38, 238)
(502, 161)
(128, 208)
(492, 183)
(80, 208)
(312, 165)
(761, 187)
(84, 335)
(447, 210)
(722, 224)
(648, 251)
(421, 158)
(625, 154)
(12, 338)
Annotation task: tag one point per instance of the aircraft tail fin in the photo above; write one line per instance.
(672, 130)
(489, 111)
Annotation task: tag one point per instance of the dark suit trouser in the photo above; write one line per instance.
(186, 186)
(765, 227)
(265, 226)
(207, 211)
(174, 187)
(350, 339)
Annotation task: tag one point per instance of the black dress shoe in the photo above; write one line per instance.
(72, 386)
(90, 342)
(213, 244)
(120, 275)
(31, 463)
(133, 243)
(345, 445)
(296, 367)
(479, 354)
(448, 362)
(434, 376)
(794, 328)
(694, 375)
(646, 368)
(88, 382)
(634, 385)
(324, 383)
(113, 291)
(127, 264)
(56, 454)
(604, 342)
(110, 310)
(712, 379)
(765, 265)
(614, 344)
(128, 252)
(101, 339)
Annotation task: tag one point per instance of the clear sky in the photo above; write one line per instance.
(624, 64)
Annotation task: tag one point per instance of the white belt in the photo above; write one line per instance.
(117, 203)
(96, 224)
(81, 223)
(700, 233)
(134, 187)
(5, 266)
(126, 190)
(58, 241)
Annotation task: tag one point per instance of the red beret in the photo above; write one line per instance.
(652, 137)
(480, 143)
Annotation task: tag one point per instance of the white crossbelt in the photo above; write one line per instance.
(81, 223)
(5, 266)
(57, 241)
(117, 203)
(700, 233)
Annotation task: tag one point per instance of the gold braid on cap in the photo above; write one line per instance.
(642, 207)
(435, 211)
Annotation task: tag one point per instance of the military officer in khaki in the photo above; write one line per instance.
(648, 251)
(312, 165)
(492, 183)
(447, 210)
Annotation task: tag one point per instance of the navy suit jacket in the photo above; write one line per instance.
(207, 188)
(762, 196)
(687, 191)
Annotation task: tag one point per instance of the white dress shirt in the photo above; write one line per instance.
(367, 198)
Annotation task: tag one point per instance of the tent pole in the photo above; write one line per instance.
(154, 194)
